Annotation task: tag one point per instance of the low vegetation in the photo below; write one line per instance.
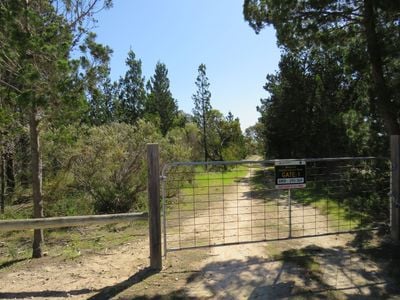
(70, 243)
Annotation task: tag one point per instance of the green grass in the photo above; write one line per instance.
(262, 185)
(263, 182)
(337, 209)
(206, 184)
(205, 181)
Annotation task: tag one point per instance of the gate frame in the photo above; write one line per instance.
(394, 209)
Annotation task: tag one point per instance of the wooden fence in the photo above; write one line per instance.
(154, 218)
(154, 215)
(59, 222)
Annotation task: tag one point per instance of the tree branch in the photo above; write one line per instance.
(10, 86)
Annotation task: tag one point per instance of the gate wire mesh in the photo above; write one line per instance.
(223, 203)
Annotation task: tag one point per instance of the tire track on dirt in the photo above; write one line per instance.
(250, 270)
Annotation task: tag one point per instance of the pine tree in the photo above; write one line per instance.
(36, 42)
(202, 106)
(365, 32)
(160, 104)
(131, 97)
(95, 61)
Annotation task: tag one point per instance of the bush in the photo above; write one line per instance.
(176, 147)
(109, 163)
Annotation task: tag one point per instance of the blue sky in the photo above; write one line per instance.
(185, 33)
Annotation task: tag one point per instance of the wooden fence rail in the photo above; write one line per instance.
(58, 222)
(153, 157)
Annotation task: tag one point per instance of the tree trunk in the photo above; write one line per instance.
(206, 155)
(2, 184)
(384, 105)
(205, 145)
(23, 161)
(36, 166)
(9, 165)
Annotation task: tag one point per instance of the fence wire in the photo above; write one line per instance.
(207, 204)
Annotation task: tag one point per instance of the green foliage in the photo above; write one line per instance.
(311, 112)
(21, 211)
(60, 197)
(109, 165)
(224, 137)
(254, 139)
(95, 61)
(38, 65)
(221, 138)
(202, 106)
(131, 94)
(159, 103)
(193, 140)
(69, 203)
(358, 201)
(176, 147)
(362, 33)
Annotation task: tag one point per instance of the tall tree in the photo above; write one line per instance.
(95, 62)
(373, 25)
(159, 102)
(36, 41)
(202, 106)
(9, 127)
(314, 110)
(129, 104)
(41, 52)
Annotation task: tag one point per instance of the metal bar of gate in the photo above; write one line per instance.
(326, 172)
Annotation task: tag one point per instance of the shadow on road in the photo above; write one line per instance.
(111, 291)
(354, 271)
(310, 272)
(11, 262)
(44, 294)
(104, 293)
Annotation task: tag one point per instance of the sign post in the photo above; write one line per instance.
(290, 174)
(290, 212)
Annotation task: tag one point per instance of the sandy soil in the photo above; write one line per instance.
(309, 268)
(52, 278)
(251, 270)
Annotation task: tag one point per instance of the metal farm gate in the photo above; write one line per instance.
(224, 203)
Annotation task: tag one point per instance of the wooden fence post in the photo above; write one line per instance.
(153, 186)
(395, 187)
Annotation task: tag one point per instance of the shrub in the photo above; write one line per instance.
(109, 164)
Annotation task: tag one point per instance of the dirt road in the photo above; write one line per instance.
(309, 268)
